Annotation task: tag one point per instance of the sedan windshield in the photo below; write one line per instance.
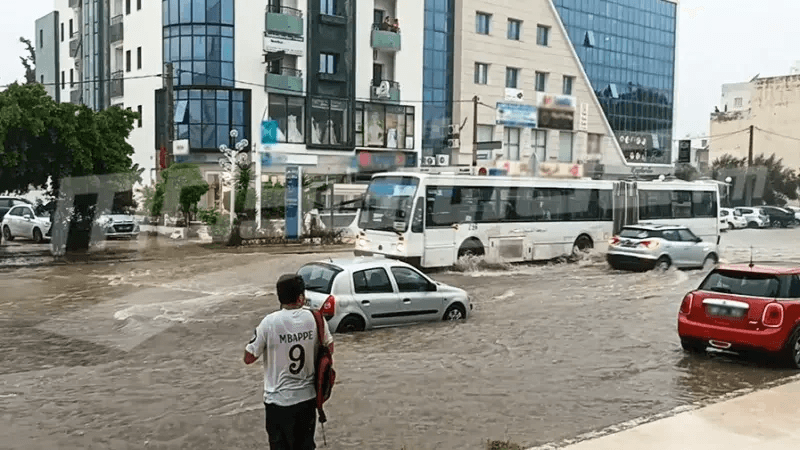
(319, 277)
(741, 283)
(387, 204)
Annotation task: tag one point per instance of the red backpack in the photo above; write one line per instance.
(323, 367)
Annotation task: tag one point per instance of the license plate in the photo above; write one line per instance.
(725, 311)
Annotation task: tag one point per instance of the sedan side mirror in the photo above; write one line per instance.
(698, 239)
(431, 287)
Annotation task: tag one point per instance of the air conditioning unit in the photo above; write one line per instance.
(454, 143)
(452, 130)
(442, 160)
(429, 161)
(382, 90)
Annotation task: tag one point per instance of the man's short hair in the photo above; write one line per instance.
(290, 287)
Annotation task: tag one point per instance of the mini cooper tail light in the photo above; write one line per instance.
(686, 304)
(614, 241)
(329, 307)
(773, 315)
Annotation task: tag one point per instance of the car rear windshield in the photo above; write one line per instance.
(319, 277)
(741, 283)
(637, 233)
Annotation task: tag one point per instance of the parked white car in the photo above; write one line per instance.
(26, 221)
(118, 225)
(362, 293)
(755, 217)
(733, 218)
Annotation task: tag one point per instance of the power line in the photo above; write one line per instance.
(94, 80)
(718, 136)
(777, 134)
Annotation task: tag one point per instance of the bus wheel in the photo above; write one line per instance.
(582, 245)
(470, 247)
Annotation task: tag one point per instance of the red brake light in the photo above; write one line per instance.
(649, 244)
(773, 315)
(686, 304)
(329, 307)
(614, 240)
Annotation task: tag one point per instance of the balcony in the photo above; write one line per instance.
(75, 94)
(385, 91)
(115, 30)
(74, 45)
(74, 3)
(117, 84)
(285, 80)
(385, 37)
(284, 21)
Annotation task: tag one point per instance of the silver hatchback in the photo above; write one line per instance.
(645, 247)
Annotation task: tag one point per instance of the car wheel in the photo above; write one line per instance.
(582, 245)
(731, 226)
(7, 234)
(454, 312)
(752, 225)
(693, 345)
(470, 247)
(351, 324)
(710, 261)
(37, 236)
(777, 224)
(663, 263)
(792, 350)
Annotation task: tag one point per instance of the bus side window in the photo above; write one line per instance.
(417, 218)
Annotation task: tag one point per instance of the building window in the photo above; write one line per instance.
(481, 73)
(565, 146)
(542, 35)
(41, 38)
(71, 29)
(541, 81)
(485, 133)
(138, 5)
(127, 6)
(327, 63)
(41, 79)
(71, 78)
(512, 143)
(327, 7)
(201, 54)
(482, 23)
(62, 31)
(737, 102)
(539, 144)
(206, 116)
(512, 76)
(384, 126)
(128, 61)
(593, 144)
(588, 40)
(567, 86)
(139, 58)
(329, 122)
(514, 29)
(289, 112)
(63, 80)
(139, 120)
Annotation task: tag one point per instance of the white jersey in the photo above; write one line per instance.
(288, 341)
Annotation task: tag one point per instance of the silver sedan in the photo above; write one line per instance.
(645, 247)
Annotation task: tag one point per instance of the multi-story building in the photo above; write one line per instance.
(582, 83)
(346, 88)
(769, 105)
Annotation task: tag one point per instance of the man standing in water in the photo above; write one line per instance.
(288, 339)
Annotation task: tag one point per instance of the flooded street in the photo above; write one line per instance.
(148, 354)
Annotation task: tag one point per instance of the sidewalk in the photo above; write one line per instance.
(762, 420)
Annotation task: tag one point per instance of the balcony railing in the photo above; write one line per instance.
(115, 30)
(286, 79)
(75, 94)
(385, 37)
(385, 90)
(74, 44)
(74, 3)
(117, 84)
(284, 21)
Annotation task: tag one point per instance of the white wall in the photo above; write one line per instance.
(732, 91)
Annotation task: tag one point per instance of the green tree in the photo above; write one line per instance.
(29, 62)
(180, 190)
(781, 185)
(686, 172)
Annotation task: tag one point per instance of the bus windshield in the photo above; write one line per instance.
(387, 204)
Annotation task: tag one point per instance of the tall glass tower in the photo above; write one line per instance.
(627, 48)
(437, 83)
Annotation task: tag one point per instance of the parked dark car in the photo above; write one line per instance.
(6, 203)
(779, 217)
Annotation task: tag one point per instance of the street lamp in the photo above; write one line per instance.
(234, 157)
(728, 190)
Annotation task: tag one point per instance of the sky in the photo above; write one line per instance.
(719, 41)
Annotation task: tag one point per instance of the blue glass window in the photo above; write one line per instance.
(437, 87)
(210, 115)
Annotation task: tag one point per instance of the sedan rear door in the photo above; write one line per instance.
(375, 294)
(419, 299)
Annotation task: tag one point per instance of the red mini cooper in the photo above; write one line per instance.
(744, 308)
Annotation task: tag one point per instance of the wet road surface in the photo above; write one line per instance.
(148, 355)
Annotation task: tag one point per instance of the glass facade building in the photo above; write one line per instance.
(198, 39)
(627, 48)
(437, 84)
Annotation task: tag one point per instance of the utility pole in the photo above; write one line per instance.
(749, 184)
(750, 151)
(475, 100)
(170, 93)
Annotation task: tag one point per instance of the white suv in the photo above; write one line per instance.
(755, 217)
(733, 218)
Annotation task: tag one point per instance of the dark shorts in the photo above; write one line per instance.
(292, 427)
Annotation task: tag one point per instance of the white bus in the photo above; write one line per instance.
(431, 220)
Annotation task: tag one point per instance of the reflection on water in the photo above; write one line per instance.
(552, 351)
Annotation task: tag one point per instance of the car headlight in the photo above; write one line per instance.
(401, 247)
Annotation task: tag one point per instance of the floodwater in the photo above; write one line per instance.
(148, 355)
